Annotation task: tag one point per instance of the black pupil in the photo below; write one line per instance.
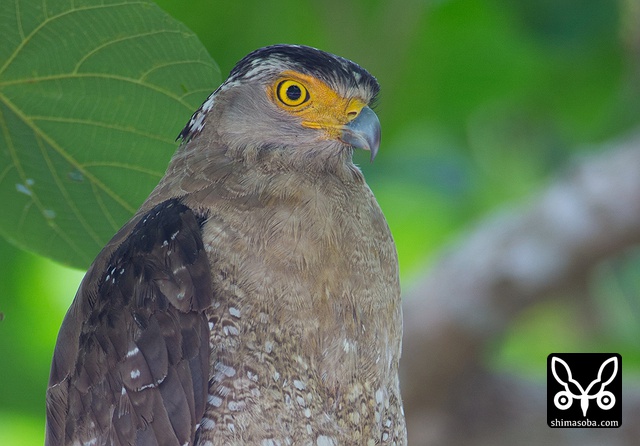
(294, 92)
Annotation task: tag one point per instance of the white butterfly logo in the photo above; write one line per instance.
(564, 398)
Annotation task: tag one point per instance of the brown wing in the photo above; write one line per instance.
(131, 363)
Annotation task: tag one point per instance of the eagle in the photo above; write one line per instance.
(254, 297)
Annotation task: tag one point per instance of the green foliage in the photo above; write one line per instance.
(482, 101)
(92, 96)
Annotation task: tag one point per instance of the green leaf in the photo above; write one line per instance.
(92, 96)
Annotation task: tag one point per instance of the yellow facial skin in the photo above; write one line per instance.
(317, 104)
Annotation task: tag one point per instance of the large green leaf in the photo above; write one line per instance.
(92, 96)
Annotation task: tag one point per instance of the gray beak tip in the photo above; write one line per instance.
(363, 132)
(374, 152)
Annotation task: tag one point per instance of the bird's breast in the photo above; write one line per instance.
(306, 292)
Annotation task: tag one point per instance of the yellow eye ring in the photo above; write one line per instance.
(292, 93)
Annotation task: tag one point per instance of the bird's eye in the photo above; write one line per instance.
(292, 93)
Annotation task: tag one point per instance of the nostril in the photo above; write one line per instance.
(352, 115)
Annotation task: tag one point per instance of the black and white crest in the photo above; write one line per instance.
(336, 71)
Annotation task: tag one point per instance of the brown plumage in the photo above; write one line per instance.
(254, 296)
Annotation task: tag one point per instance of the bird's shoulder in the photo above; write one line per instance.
(132, 357)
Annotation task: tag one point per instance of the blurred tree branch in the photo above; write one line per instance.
(509, 262)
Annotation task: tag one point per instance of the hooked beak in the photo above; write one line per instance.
(363, 132)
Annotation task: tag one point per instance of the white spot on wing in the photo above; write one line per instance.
(233, 311)
(132, 352)
(323, 440)
(236, 406)
(208, 424)
(379, 396)
(224, 391)
(147, 386)
(215, 400)
(230, 330)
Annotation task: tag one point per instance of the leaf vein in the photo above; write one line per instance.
(147, 73)
(99, 48)
(66, 156)
(48, 20)
(130, 167)
(106, 76)
(96, 193)
(104, 125)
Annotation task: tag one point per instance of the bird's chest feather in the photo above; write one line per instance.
(307, 294)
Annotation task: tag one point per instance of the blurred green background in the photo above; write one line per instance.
(482, 103)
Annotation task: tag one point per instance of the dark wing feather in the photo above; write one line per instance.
(131, 363)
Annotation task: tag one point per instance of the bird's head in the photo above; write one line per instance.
(294, 99)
